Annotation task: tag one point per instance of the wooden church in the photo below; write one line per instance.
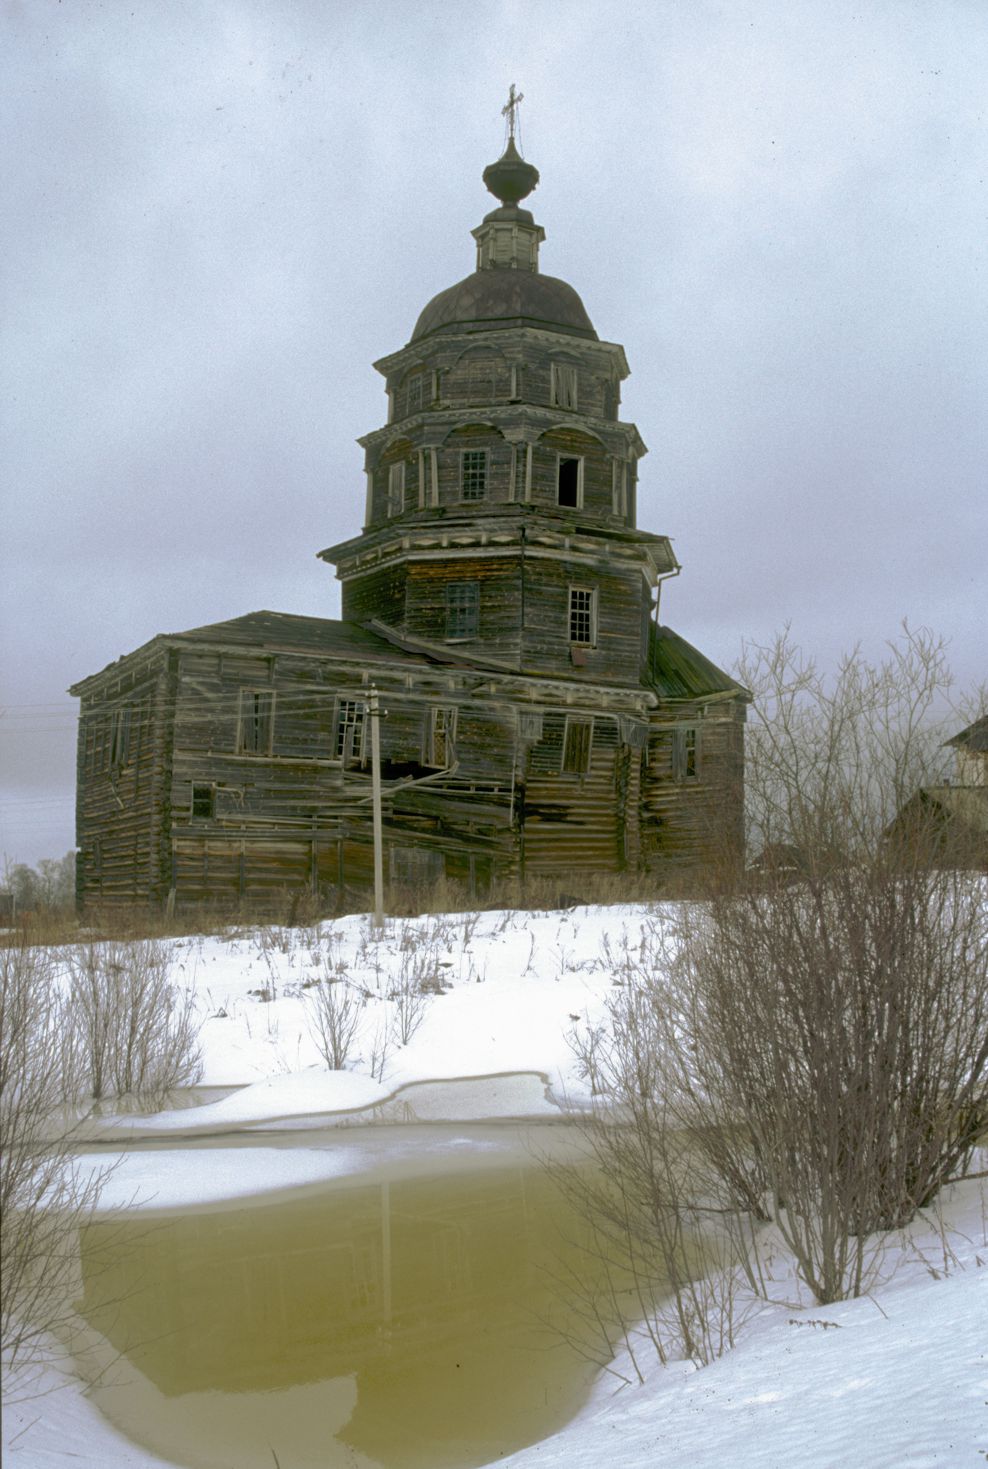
(537, 718)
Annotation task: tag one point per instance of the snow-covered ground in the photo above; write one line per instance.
(897, 1378)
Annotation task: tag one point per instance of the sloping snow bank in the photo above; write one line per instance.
(896, 1380)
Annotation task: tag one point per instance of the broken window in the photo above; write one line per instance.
(350, 723)
(583, 616)
(119, 737)
(462, 609)
(203, 801)
(256, 724)
(442, 732)
(564, 382)
(577, 743)
(686, 753)
(473, 474)
(569, 482)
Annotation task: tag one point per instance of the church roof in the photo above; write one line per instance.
(505, 298)
(292, 633)
(677, 670)
(278, 631)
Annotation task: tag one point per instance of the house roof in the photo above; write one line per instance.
(677, 670)
(974, 738)
(967, 805)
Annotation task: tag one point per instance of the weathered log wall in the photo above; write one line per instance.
(691, 823)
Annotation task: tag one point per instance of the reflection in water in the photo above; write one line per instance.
(398, 1323)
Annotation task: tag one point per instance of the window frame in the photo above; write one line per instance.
(196, 796)
(483, 455)
(467, 610)
(259, 719)
(589, 611)
(578, 460)
(349, 715)
(444, 714)
(568, 761)
(686, 754)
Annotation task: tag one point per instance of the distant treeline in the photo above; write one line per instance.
(49, 885)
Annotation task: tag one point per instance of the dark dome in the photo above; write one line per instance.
(501, 298)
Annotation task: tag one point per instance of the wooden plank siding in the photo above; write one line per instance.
(587, 822)
(622, 602)
(293, 816)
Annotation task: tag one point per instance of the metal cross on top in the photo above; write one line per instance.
(509, 111)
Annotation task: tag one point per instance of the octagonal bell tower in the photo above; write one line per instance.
(500, 522)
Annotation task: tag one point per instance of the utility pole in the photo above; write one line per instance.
(375, 719)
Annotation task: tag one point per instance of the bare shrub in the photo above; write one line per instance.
(838, 1025)
(44, 1197)
(333, 1010)
(669, 1231)
(135, 1030)
(419, 977)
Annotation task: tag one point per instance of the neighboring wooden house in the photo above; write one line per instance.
(539, 719)
(971, 754)
(953, 818)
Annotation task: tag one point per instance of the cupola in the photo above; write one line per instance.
(506, 289)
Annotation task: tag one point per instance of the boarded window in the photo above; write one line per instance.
(583, 616)
(350, 724)
(577, 743)
(530, 725)
(569, 482)
(475, 377)
(120, 737)
(564, 382)
(462, 609)
(442, 733)
(256, 725)
(396, 488)
(473, 474)
(203, 801)
(686, 753)
(619, 487)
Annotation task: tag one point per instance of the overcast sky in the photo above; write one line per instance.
(220, 212)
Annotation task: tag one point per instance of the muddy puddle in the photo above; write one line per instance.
(382, 1319)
